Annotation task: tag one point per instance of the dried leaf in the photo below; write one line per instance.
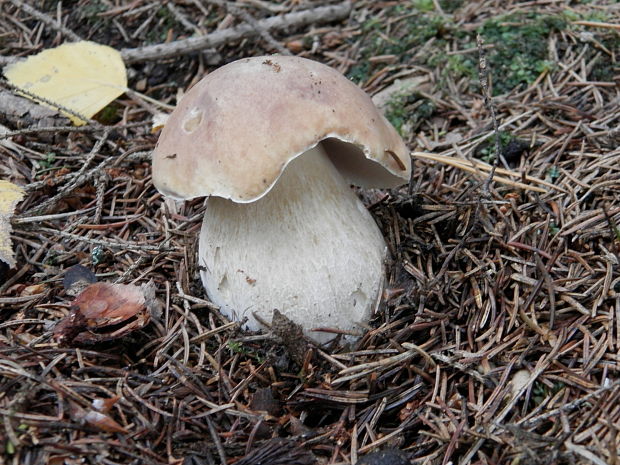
(96, 419)
(10, 195)
(104, 304)
(103, 422)
(102, 312)
(33, 290)
(104, 405)
(81, 76)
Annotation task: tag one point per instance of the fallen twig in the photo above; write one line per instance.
(217, 38)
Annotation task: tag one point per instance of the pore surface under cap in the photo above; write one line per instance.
(235, 131)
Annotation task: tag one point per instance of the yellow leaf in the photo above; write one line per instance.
(10, 194)
(81, 76)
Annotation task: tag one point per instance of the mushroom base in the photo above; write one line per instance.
(308, 248)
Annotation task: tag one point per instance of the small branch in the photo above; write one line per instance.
(217, 38)
(19, 112)
(488, 102)
(49, 103)
(124, 245)
(80, 178)
(245, 16)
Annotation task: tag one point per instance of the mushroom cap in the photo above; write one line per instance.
(235, 131)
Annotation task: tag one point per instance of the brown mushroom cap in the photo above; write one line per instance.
(235, 131)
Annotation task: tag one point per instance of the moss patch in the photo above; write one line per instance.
(519, 54)
(520, 48)
(407, 112)
(402, 37)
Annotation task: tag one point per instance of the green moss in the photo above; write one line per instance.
(424, 5)
(110, 114)
(519, 51)
(459, 65)
(519, 41)
(450, 6)
(401, 38)
(447, 6)
(541, 391)
(89, 13)
(407, 112)
(360, 72)
(605, 68)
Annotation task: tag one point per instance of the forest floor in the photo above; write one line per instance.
(498, 339)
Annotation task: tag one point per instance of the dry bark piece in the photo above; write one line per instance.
(103, 312)
(290, 335)
(263, 400)
(21, 112)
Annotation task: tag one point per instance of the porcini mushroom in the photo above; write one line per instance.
(275, 143)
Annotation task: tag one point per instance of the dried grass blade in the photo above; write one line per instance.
(475, 166)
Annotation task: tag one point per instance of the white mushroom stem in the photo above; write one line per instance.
(308, 247)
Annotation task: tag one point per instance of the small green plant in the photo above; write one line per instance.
(9, 448)
(487, 151)
(540, 391)
(450, 6)
(48, 161)
(236, 347)
(447, 6)
(460, 65)
(98, 255)
(553, 173)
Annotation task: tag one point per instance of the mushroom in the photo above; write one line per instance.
(275, 142)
